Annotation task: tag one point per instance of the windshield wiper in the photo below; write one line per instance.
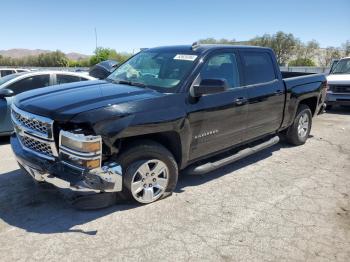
(130, 83)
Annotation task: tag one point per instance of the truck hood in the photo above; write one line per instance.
(63, 102)
(339, 79)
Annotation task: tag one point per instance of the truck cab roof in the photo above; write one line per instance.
(203, 48)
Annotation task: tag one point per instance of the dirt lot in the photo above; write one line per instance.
(286, 203)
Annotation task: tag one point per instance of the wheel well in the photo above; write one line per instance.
(311, 103)
(170, 140)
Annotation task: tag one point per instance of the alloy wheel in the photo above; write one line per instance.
(150, 181)
(303, 125)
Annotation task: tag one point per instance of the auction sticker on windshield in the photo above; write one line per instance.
(185, 57)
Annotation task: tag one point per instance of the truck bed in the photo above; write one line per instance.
(287, 74)
(293, 79)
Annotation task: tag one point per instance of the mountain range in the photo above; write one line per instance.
(21, 52)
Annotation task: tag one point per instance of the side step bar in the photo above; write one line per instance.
(210, 166)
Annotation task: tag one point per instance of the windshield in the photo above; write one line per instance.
(7, 78)
(161, 70)
(343, 67)
(334, 63)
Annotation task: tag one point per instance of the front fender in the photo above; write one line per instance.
(111, 129)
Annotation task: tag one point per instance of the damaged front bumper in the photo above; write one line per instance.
(108, 178)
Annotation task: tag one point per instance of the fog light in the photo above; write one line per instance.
(91, 164)
(80, 163)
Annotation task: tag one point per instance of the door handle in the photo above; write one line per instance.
(240, 101)
(278, 92)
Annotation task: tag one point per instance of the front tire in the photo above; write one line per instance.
(299, 131)
(150, 172)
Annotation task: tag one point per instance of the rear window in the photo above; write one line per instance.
(258, 68)
(30, 83)
(63, 79)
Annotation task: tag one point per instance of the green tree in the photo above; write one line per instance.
(6, 61)
(121, 57)
(283, 44)
(308, 50)
(346, 48)
(84, 63)
(102, 54)
(328, 55)
(302, 62)
(211, 40)
(52, 59)
(73, 63)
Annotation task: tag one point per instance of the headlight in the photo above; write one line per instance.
(86, 144)
(80, 150)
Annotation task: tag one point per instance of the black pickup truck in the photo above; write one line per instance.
(164, 110)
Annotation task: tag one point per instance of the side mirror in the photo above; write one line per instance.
(210, 86)
(6, 93)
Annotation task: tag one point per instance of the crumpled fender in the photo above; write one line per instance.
(109, 129)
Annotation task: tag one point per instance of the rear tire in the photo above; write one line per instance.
(299, 131)
(150, 172)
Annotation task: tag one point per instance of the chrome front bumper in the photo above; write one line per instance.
(110, 181)
(338, 98)
(108, 178)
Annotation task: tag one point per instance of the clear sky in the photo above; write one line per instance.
(127, 25)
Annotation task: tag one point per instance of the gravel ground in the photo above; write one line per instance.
(282, 204)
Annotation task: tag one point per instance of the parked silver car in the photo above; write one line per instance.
(9, 71)
(14, 84)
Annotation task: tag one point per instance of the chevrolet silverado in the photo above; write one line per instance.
(166, 109)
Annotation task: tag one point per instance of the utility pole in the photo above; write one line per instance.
(95, 38)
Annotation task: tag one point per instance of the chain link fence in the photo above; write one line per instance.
(306, 69)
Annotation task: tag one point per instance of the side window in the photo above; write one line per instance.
(258, 67)
(30, 83)
(63, 79)
(222, 65)
(7, 72)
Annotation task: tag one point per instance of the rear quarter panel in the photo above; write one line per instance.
(301, 88)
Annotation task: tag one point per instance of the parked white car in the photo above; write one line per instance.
(9, 71)
(15, 84)
(339, 84)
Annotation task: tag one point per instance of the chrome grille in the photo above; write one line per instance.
(340, 88)
(33, 144)
(35, 133)
(33, 124)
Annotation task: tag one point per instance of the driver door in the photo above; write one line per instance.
(218, 120)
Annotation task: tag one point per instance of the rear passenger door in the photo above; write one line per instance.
(266, 94)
